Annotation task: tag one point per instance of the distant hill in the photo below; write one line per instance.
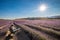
(32, 18)
(39, 18)
(56, 17)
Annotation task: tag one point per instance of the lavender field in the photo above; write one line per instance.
(44, 29)
(35, 29)
(49, 23)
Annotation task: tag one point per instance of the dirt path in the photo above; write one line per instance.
(22, 36)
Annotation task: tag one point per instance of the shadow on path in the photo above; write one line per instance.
(22, 36)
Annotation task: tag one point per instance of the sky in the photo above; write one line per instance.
(11, 9)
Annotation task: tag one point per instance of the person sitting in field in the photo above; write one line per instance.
(10, 33)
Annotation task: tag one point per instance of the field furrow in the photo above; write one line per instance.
(50, 32)
(36, 35)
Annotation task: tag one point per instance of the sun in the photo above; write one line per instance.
(43, 8)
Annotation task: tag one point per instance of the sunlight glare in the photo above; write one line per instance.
(42, 8)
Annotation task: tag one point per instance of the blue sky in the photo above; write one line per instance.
(10, 9)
